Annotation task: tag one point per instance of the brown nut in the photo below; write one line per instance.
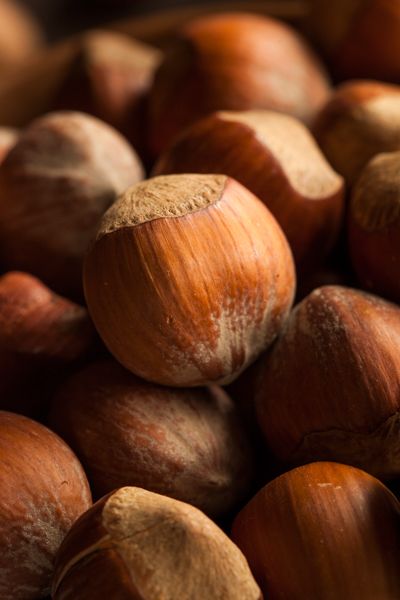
(43, 490)
(275, 157)
(137, 544)
(323, 531)
(361, 119)
(189, 279)
(186, 444)
(374, 226)
(40, 334)
(34, 321)
(329, 389)
(361, 38)
(55, 184)
(233, 61)
(20, 35)
(8, 138)
(108, 76)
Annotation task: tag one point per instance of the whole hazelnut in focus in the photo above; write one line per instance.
(276, 158)
(137, 544)
(40, 335)
(330, 387)
(374, 226)
(188, 279)
(233, 61)
(63, 173)
(8, 138)
(187, 444)
(323, 531)
(361, 119)
(43, 490)
(20, 35)
(360, 38)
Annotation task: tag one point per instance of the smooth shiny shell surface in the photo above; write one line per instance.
(43, 490)
(322, 531)
(189, 296)
(276, 158)
(233, 61)
(330, 387)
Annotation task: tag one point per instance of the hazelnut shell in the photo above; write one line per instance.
(137, 544)
(188, 279)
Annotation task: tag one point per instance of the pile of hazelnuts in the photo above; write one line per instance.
(199, 309)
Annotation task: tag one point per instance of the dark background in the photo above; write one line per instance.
(63, 17)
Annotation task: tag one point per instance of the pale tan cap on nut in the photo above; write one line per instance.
(161, 197)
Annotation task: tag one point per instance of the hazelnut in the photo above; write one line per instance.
(275, 157)
(55, 184)
(361, 119)
(100, 72)
(35, 321)
(187, 444)
(43, 490)
(322, 531)
(20, 35)
(361, 38)
(108, 76)
(40, 334)
(8, 138)
(137, 544)
(374, 226)
(329, 389)
(233, 61)
(188, 279)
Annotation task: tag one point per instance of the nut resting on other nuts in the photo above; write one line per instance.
(200, 294)
(203, 282)
(194, 448)
(374, 226)
(41, 336)
(234, 61)
(308, 532)
(360, 119)
(62, 174)
(329, 388)
(276, 158)
(137, 544)
(43, 490)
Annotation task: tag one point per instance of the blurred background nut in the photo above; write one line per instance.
(374, 226)
(275, 157)
(236, 62)
(43, 490)
(323, 531)
(55, 184)
(361, 38)
(329, 389)
(188, 279)
(8, 138)
(360, 120)
(137, 544)
(40, 335)
(20, 34)
(108, 76)
(187, 444)
(35, 321)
